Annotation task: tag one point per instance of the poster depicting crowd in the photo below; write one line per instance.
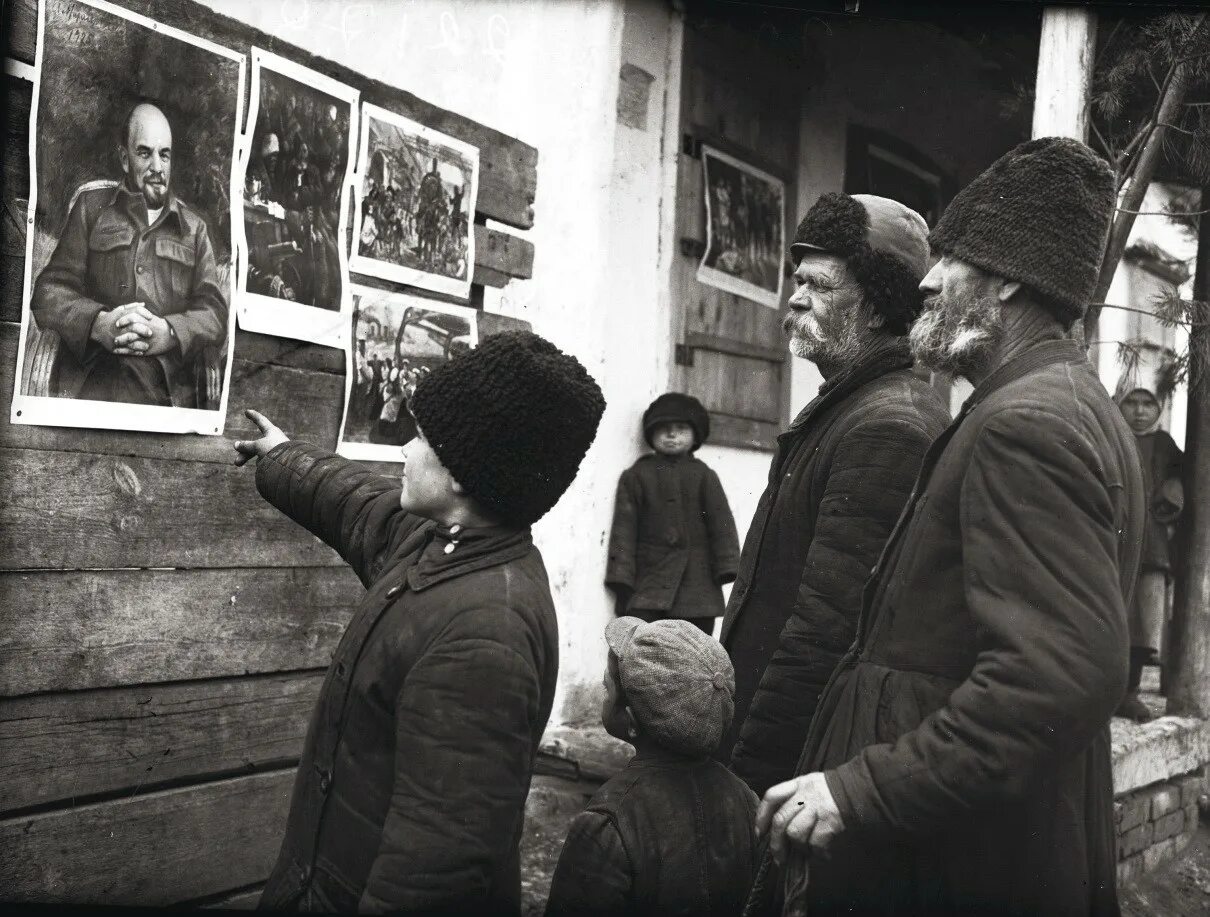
(745, 229)
(416, 190)
(297, 172)
(126, 319)
(397, 340)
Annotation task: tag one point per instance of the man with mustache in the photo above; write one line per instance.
(841, 474)
(960, 761)
(132, 287)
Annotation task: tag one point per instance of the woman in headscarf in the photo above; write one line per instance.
(1160, 458)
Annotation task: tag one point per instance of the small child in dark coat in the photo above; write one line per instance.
(673, 545)
(673, 832)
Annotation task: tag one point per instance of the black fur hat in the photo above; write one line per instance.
(1039, 215)
(511, 420)
(884, 243)
(674, 407)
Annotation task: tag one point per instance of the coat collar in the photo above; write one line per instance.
(473, 549)
(1045, 353)
(134, 206)
(880, 356)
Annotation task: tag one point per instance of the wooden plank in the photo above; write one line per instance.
(70, 631)
(508, 168)
(79, 510)
(306, 403)
(712, 342)
(92, 743)
(1066, 50)
(743, 433)
(503, 252)
(152, 849)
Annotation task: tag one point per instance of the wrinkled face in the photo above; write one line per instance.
(672, 438)
(428, 487)
(962, 323)
(827, 321)
(1141, 410)
(147, 155)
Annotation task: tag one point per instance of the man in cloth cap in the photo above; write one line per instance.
(960, 760)
(410, 794)
(839, 479)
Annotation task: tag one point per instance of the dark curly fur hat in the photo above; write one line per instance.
(885, 244)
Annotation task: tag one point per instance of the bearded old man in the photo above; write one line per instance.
(960, 760)
(840, 477)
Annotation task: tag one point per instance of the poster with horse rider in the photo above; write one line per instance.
(397, 339)
(414, 219)
(298, 169)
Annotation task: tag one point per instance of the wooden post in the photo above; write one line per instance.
(1189, 655)
(1065, 55)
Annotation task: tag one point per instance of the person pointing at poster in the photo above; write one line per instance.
(132, 288)
(411, 790)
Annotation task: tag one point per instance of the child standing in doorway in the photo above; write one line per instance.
(673, 545)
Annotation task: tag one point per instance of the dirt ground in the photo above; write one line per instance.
(1180, 888)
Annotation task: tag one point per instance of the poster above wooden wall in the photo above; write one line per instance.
(126, 318)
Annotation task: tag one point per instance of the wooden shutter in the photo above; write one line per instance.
(740, 94)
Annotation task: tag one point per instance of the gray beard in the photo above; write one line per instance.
(833, 350)
(952, 337)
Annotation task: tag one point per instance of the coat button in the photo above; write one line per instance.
(325, 781)
(139, 269)
(392, 592)
(340, 670)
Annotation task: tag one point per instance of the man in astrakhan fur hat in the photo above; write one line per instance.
(963, 762)
(841, 474)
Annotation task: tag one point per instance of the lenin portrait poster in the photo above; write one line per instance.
(745, 228)
(127, 321)
(297, 172)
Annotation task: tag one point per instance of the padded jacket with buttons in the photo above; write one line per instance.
(411, 789)
(842, 472)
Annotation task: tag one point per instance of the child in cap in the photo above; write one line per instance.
(410, 794)
(673, 545)
(673, 832)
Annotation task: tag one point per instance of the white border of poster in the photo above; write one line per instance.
(104, 415)
(374, 267)
(721, 280)
(267, 314)
(386, 452)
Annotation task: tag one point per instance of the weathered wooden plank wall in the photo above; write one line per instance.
(163, 632)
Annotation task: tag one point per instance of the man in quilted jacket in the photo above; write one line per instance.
(841, 474)
(411, 790)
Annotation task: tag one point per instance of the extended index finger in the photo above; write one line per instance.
(263, 422)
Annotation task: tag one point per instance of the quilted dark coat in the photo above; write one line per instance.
(840, 477)
(673, 540)
(412, 785)
(966, 737)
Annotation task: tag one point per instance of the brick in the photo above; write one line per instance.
(1164, 799)
(1191, 788)
(1169, 825)
(1135, 811)
(1130, 869)
(1159, 853)
(1135, 840)
(1184, 839)
(1191, 816)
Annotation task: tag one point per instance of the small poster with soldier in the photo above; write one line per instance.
(745, 229)
(397, 340)
(127, 320)
(298, 168)
(415, 214)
